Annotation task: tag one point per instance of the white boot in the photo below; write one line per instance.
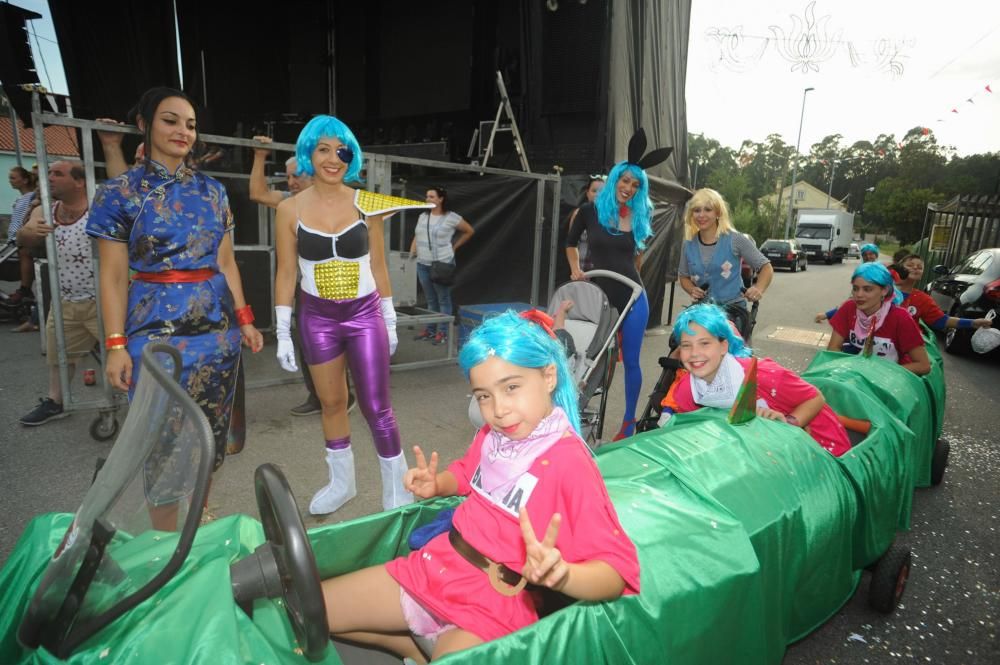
(393, 494)
(342, 487)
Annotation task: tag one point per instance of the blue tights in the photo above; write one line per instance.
(633, 329)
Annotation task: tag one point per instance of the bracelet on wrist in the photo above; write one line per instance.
(244, 316)
(116, 341)
(965, 323)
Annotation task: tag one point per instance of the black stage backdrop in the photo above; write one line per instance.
(581, 79)
(495, 265)
(113, 51)
(249, 63)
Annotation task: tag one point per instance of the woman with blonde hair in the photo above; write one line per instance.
(713, 249)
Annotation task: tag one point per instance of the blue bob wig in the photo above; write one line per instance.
(713, 319)
(870, 247)
(525, 344)
(326, 127)
(640, 204)
(878, 274)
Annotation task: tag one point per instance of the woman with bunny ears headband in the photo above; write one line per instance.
(618, 224)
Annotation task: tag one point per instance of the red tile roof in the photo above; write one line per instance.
(58, 140)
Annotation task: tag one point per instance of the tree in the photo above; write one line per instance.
(708, 156)
(897, 206)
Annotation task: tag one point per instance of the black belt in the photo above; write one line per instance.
(504, 580)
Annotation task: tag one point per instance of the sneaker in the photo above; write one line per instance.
(307, 408)
(439, 339)
(46, 410)
(27, 326)
(351, 402)
(424, 335)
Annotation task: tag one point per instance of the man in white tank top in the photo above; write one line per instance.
(77, 290)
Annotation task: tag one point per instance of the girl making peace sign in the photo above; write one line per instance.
(527, 472)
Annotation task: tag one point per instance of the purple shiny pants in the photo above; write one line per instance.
(330, 328)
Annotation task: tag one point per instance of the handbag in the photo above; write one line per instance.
(442, 272)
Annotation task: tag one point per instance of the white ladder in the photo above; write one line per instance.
(503, 108)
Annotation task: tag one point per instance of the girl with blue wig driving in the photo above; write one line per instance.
(874, 310)
(536, 511)
(716, 360)
(332, 234)
(617, 224)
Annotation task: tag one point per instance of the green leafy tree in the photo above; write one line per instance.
(897, 206)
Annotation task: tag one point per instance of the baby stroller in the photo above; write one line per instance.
(593, 325)
(743, 319)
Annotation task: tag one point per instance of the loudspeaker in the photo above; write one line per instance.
(17, 66)
(256, 264)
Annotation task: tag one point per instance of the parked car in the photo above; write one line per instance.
(785, 254)
(969, 290)
(854, 251)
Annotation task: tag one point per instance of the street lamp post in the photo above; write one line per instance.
(795, 165)
(829, 192)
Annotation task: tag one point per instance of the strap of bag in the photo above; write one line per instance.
(430, 244)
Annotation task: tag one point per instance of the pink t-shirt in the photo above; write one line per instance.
(783, 390)
(895, 338)
(564, 480)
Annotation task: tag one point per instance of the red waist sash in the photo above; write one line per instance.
(175, 276)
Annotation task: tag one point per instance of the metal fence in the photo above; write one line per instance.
(381, 170)
(961, 226)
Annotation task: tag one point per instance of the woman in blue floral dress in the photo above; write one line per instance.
(170, 224)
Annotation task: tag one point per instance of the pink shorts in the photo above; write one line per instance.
(420, 621)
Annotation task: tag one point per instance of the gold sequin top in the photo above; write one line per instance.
(337, 266)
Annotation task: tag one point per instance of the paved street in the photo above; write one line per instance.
(950, 609)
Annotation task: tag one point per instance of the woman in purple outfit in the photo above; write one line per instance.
(332, 234)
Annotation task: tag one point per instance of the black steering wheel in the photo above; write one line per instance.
(283, 566)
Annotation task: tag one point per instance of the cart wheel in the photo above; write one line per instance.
(889, 579)
(284, 566)
(104, 427)
(940, 461)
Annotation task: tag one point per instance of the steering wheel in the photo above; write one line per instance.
(283, 566)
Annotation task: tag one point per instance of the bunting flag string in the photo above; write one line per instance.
(987, 90)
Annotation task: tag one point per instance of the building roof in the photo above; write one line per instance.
(59, 140)
(806, 196)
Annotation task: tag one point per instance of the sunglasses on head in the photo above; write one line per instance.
(345, 154)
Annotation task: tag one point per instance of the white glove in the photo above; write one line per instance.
(664, 417)
(389, 314)
(283, 329)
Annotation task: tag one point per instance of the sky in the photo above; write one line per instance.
(945, 53)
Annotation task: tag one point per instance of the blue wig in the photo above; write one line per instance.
(870, 247)
(640, 204)
(878, 274)
(526, 344)
(325, 127)
(713, 319)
